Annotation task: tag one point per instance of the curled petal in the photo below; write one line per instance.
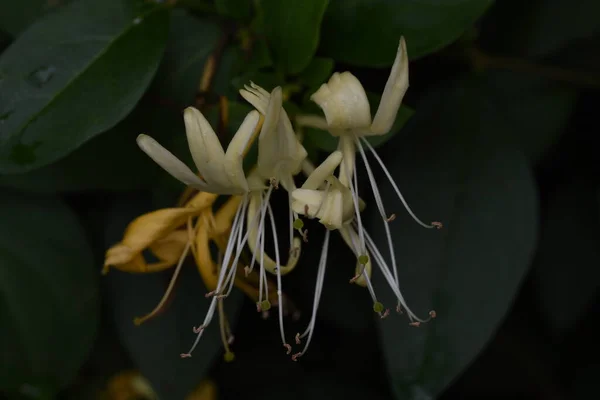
(324, 170)
(344, 102)
(395, 88)
(148, 230)
(169, 162)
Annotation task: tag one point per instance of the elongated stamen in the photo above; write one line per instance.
(352, 182)
(167, 294)
(231, 245)
(318, 290)
(379, 203)
(225, 331)
(279, 291)
(436, 224)
(380, 261)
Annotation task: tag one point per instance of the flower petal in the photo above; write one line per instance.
(323, 171)
(394, 91)
(169, 162)
(234, 156)
(303, 198)
(206, 149)
(344, 102)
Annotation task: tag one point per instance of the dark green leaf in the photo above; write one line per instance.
(48, 293)
(522, 110)
(366, 32)
(292, 30)
(238, 9)
(316, 73)
(15, 16)
(468, 272)
(111, 161)
(566, 276)
(191, 41)
(155, 346)
(74, 74)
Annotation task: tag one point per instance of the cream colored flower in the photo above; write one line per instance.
(222, 172)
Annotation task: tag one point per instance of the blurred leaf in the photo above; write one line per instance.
(545, 26)
(15, 16)
(49, 302)
(58, 90)
(521, 110)
(317, 72)
(366, 32)
(155, 346)
(326, 142)
(468, 272)
(191, 41)
(238, 9)
(292, 30)
(566, 274)
(111, 161)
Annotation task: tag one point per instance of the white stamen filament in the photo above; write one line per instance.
(318, 290)
(278, 266)
(389, 176)
(381, 209)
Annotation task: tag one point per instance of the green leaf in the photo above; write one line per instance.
(470, 271)
(191, 42)
(521, 110)
(366, 32)
(541, 27)
(326, 142)
(48, 287)
(316, 73)
(238, 9)
(15, 16)
(570, 223)
(111, 161)
(74, 74)
(155, 346)
(292, 30)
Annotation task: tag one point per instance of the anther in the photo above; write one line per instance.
(298, 223)
(185, 355)
(385, 313)
(416, 324)
(247, 271)
(363, 259)
(298, 341)
(265, 305)
(438, 225)
(198, 329)
(305, 236)
(391, 218)
(296, 356)
(288, 348)
(399, 309)
(210, 294)
(274, 183)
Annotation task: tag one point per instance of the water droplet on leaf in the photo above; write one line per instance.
(42, 75)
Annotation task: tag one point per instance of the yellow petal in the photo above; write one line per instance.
(149, 228)
(207, 390)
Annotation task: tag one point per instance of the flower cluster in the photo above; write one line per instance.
(329, 194)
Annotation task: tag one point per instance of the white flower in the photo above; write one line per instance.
(222, 172)
(280, 153)
(346, 107)
(348, 116)
(331, 204)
